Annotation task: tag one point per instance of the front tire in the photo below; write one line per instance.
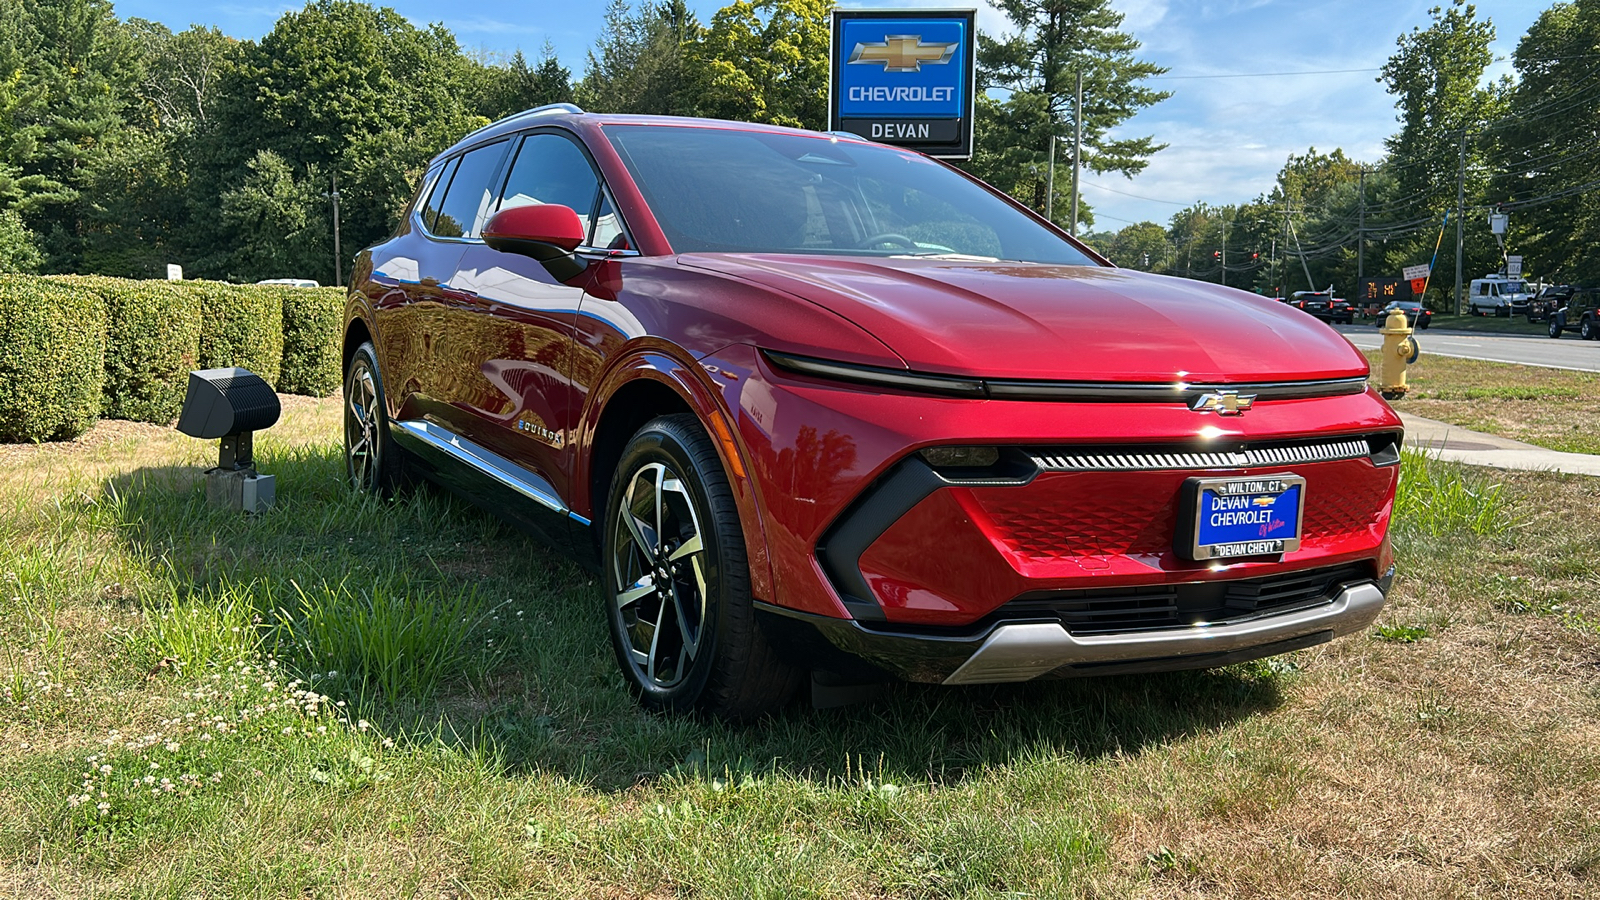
(1555, 328)
(677, 590)
(373, 464)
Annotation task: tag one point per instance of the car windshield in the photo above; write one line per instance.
(726, 190)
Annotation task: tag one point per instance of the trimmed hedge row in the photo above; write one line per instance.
(132, 344)
(52, 359)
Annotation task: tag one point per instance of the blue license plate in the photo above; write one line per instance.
(1238, 517)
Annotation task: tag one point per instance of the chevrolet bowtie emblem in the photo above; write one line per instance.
(1223, 403)
(903, 53)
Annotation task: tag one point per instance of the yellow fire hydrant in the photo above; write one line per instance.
(1399, 350)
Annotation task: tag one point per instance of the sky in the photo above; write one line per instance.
(1252, 80)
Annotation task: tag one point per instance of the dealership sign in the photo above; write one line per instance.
(904, 78)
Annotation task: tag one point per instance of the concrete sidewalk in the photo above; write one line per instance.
(1478, 449)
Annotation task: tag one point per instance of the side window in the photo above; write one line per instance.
(430, 207)
(466, 201)
(607, 232)
(551, 169)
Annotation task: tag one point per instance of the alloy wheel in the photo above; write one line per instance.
(361, 427)
(659, 565)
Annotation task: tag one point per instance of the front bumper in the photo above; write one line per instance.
(1027, 649)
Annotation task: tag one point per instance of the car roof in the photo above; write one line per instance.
(571, 115)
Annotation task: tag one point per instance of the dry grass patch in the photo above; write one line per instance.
(1453, 751)
(1554, 408)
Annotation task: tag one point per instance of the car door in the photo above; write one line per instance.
(511, 325)
(409, 272)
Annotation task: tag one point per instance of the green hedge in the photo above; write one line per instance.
(240, 326)
(152, 341)
(52, 359)
(311, 340)
(143, 338)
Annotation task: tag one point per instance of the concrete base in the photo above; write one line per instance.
(240, 489)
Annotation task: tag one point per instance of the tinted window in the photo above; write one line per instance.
(728, 190)
(430, 209)
(551, 169)
(467, 199)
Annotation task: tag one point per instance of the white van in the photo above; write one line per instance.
(1497, 295)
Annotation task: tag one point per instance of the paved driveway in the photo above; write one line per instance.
(1567, 352)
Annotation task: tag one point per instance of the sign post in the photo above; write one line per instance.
(905, 77)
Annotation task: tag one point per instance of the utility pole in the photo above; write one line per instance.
(1077, 151)
(1361, 229)
(1050, 178)
(338, 257)
(1224, 256)
(1461, 203)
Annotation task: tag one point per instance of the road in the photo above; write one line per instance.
(1525, 349)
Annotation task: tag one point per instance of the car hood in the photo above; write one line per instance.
(1072, 323)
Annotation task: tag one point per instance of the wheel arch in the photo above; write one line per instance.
(636, 390)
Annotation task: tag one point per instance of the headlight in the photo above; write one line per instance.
(961, 457)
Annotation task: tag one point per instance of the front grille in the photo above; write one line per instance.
(1250, 457)
(1077, 515)
(1174, 605)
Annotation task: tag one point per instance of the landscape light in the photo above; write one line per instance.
(231, 404)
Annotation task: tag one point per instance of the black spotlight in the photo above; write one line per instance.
(230, 404)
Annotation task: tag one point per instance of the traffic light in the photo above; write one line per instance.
(1216, 254)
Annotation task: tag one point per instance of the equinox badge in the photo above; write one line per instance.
(1223, 403)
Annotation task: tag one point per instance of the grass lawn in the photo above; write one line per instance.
(1554, 408)
(350, 698)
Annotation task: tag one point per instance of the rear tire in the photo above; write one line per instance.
(373, 463)
(1586, 329)
(677, 584)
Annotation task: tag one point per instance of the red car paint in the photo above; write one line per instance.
(500, 351)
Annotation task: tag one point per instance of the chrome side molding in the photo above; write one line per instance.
(1024, 651)
(491, 464)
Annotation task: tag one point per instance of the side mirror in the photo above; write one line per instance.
(544, 231)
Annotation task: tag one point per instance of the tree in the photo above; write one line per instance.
(1549, 178)
(516, 86)
(765, 61)
(1436, 75)
(274, 221)
(1056, 40)
(82, 74)
(638, 64)
(1141, 246)
(342, 88)
(19, 247)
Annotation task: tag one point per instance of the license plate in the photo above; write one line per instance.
(1227, 518)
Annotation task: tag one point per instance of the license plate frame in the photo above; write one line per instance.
(1217, 515)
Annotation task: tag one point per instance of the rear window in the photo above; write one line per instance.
(466, 200)
(714, 189)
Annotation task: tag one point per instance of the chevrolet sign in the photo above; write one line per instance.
(904, 78)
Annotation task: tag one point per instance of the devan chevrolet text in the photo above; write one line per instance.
(815, 405)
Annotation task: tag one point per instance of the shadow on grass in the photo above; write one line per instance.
(533, 680)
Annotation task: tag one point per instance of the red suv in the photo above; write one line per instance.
(813, 404)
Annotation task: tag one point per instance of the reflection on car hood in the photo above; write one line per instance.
(1028, 320)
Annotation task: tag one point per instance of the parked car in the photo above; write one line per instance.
(1324, 305)
(1417, 315)
(1550, 298)
(1497, 295)
(1580, 312)
(813, 404)
(292, 282)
